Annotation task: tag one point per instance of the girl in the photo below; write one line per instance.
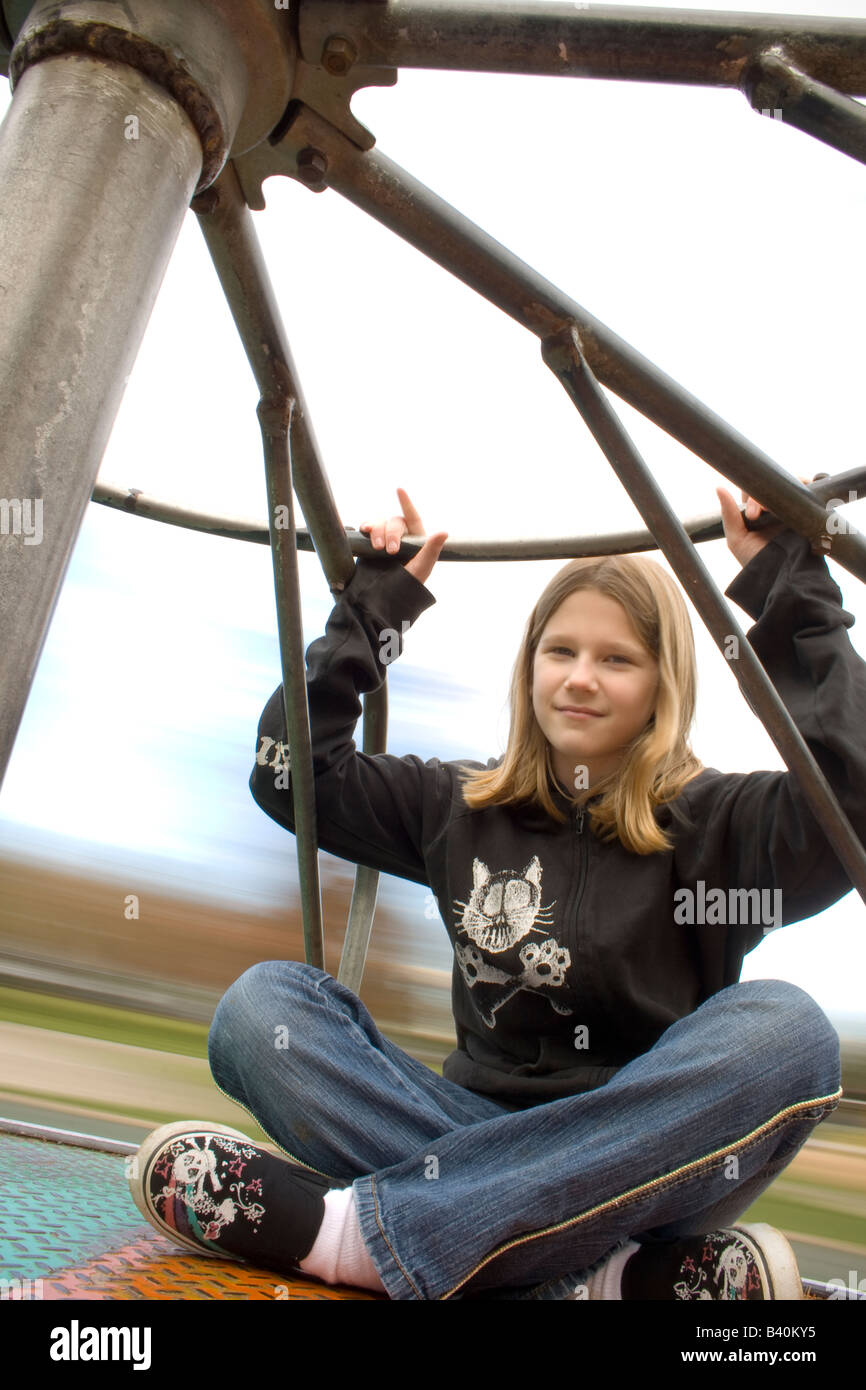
(617, 1098)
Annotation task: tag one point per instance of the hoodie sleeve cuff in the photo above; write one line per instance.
(772, 568)
(388, 584)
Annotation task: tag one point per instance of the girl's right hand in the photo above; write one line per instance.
(742, 542)
(389, 534)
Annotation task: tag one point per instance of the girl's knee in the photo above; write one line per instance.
(785, 1017)
(269, 990)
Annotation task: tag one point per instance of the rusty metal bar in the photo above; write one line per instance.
(563, 354)
(774, 83)
(228, 230)
(275, 414)
(67, 1136)
(707, 47)
(227, 227)
(366, 886)
(359, 928)
(404, 205)
(851, 483)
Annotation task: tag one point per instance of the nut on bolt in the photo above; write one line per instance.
(312, 167)
(338, 55)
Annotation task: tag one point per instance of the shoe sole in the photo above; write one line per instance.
(775, 1259)
(143, 1162)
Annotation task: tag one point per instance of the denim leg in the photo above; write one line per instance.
(457, 1195)
(303, 1055)
(738, 1198)
(681, 1139)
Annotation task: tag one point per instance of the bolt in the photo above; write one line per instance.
(312, 167)
(338, 55)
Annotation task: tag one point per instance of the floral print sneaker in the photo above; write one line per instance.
(742, 1263)
(216, 1191)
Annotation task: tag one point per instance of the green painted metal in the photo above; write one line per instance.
(60, 1205)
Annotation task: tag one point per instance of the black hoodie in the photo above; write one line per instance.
(573, 955)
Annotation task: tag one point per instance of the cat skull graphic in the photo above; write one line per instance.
(503, 907)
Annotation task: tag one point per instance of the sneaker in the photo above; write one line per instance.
(217, 1192)
(743, 1263)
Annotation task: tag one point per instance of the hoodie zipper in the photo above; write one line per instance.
(579, 817)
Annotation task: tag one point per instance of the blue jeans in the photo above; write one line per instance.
(458, 1196)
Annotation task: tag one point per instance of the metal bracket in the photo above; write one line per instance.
(330, 93)
(289, 155)
(335, 60)
(327, 97)
(327, 75)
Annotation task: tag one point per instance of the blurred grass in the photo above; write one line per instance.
(178, 1039)
(809, 1217)
(148, 1118)
(102, 1021)
(138, 1029)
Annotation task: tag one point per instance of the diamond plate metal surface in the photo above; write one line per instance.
(67, 1220)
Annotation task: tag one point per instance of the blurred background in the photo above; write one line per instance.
(137, 876)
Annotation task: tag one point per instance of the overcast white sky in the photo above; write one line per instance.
(726, 247)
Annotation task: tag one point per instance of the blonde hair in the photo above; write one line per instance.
(659, 761)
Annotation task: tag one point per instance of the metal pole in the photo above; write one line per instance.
(275, 414)
(98, 162)
(838, 489)
(227, 226)
(578, 40)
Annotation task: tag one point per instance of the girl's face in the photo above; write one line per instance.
(591, 659)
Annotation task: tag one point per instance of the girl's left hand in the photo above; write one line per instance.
(742, 542)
